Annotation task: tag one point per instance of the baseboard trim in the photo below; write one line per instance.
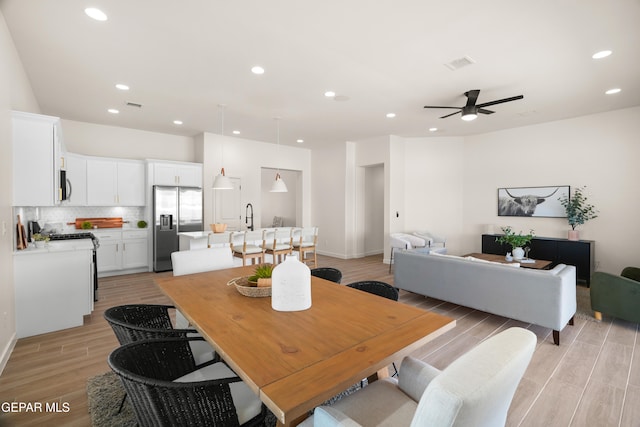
(6, 352)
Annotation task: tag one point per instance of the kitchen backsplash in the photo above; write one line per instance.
(58, 217)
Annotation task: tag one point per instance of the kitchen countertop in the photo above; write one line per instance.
(57, 246)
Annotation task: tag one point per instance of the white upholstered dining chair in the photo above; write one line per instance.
(198, 261)
(474, 391)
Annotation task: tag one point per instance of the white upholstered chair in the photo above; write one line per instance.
(404, 241)
(198, 261)
(431, 240)
(474, 391)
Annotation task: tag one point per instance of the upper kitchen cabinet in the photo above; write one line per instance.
(113, 182)
(176, 173)
(37, 159)
(76, 167)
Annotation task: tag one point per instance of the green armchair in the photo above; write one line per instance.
(617, 296)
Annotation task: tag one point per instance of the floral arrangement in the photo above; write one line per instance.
(513, 239)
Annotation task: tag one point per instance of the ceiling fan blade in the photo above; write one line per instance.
(500, 101)
(472, 96)
(434, 106)
(483, 111)
(449, 115)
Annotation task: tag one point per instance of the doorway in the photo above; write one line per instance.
(227, 206)
(287, 206)
(373, 215)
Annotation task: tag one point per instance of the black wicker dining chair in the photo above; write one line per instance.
(377, 288)
(166, 388)
(328, 273)
(135, 322)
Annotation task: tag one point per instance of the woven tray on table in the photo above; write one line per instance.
(242, 285)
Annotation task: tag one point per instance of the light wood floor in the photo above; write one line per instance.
(591, 379)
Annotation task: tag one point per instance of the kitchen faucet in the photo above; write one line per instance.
(247, 216)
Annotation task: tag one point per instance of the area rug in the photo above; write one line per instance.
(583, 310)
(105, 393)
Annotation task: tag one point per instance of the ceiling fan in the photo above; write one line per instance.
(470, 111)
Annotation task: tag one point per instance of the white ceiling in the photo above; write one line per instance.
(184, 58)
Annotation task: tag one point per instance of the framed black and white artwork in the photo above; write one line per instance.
(532, 201)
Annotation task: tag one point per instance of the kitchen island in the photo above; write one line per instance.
(53, 286)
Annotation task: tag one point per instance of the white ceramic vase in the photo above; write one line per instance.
(518, 253)
(574, 235)
(291, 285)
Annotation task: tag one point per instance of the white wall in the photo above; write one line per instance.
(244, 159)
(111, 141)
(329, 168)
(433, 187)
(15, 94)
(600, 151)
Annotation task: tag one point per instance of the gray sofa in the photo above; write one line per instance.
(542, 297)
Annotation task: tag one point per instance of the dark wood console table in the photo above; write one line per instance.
(580, 253)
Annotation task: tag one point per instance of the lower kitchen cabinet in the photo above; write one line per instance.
(121, 251)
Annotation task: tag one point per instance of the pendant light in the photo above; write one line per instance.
(221, 181)
(278, 185)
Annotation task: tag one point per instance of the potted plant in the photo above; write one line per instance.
(40, 240)
(516, 241)
(261, 276)
(578, 211)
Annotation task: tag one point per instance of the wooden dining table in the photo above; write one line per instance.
(297, 360)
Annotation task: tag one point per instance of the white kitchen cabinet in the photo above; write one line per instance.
(122, 250)
(76, 167)
(135, 249)
(53, 290)
(113, 182)
(109, 255)
(180, 174)
(36, 159)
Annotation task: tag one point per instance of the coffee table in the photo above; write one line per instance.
(538, 264)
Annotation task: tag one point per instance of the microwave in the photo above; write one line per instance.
(64, 190)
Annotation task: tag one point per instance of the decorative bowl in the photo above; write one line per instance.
(242, 285)
(218, 228)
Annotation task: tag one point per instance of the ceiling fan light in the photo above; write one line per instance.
(469, 116)
(278, 185)
(222, 182)
(469, 113)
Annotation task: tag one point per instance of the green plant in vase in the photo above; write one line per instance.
(40, 239)
(516, 241)
(578, 211)
(261, 275)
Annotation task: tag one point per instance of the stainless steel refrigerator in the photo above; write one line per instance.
(175, 210)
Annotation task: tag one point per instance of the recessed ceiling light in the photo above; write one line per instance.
(236, 132)
(121, 86)
(299, 141)
(177, 122)
(257, 70)
(613, 91)
(96, 14)
(329, 94)
(391, 115)
(433, 129)
(601, 54)
(113, 111)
